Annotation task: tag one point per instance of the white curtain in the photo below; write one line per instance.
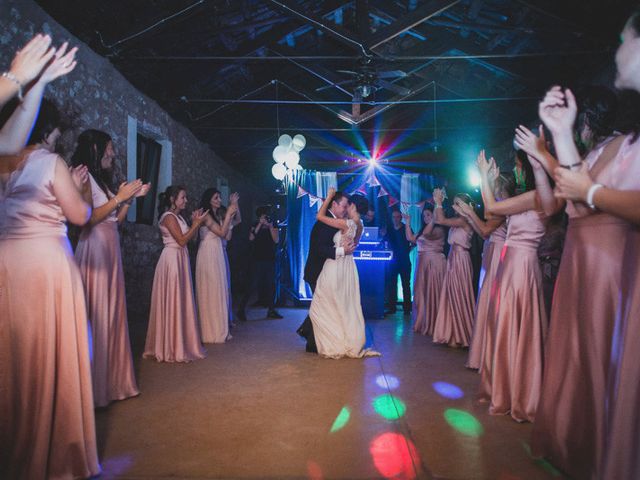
(410, 194)
(324, 181)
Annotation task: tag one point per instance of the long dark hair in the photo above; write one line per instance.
(424, 225)
(361, 203)
(90, 149)
(528, 181)
(164, 199)
(205, 204)
(597, 108)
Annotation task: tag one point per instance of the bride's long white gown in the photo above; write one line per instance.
(336, 312)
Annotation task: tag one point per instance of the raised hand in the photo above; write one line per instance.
(558, 110)
(483, 164)
(531, 143)
(143, 190)
(31, 59)
(233, 208)
(128, 189)
(406, 216)
(438, 196)
(573, 184)
(63, 62)
(331, 192)
(234, 198)
(198, 216)
(80, 175)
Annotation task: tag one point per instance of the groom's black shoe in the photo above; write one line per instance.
(305, 328)
(273, 313)
(311, 348)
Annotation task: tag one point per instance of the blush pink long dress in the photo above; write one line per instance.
(212, 287)
(100, 261)
(569, 428)
(428, 279)
(173, 334)
(454, 322)
(623, 396)
(47, 426)
(511, 373)
(490, 261)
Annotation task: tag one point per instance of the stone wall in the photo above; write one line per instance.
(98, 96)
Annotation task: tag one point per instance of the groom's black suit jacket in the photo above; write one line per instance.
(320, 248)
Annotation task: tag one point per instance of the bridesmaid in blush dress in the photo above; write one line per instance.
(511, 372)
(570, 427)
(454, 322)
(429, 273)
(47, 426)
(494, 230)
(100, 261)
(173, 335)
(212, 279)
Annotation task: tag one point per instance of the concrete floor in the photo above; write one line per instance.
(259, 407)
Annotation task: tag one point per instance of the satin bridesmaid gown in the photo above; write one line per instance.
(428, 280)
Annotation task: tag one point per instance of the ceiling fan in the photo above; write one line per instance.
(367, 79)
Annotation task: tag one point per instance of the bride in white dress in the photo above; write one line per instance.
(336, 312)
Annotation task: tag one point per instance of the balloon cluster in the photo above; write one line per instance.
(287, 155)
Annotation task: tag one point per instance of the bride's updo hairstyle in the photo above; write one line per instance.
(166, 198)
(361, 203)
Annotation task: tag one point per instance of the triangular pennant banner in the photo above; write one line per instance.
(392, 201)
(362, 189)
(301, 192)
(373, 181)
(421, 204)
(313, 200)
(382, 192)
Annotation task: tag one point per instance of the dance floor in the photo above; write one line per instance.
(259, 407)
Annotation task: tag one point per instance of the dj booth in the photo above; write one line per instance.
(371, 259)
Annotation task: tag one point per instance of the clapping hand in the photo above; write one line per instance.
(198, 216)
(558, 110)
(128, 189)
(80, 175)
(31, 59)
(438, 196)
(532, 144)
(144, 189)
(63, 62)
(483, 164)
(573, 184)
(234, 198)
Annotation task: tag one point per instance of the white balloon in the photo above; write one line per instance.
(299, 142)
(285, 141)
(279, 171)
(292, 159)
(280, 154)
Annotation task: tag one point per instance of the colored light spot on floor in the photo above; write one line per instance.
(387, 381)
(399, 330)
(341, 420)
(394, 456)
(541, 461)
(389, 407)
(314, 471)
(447, 390)
(463, 422)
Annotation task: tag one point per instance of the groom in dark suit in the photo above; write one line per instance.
(320, 248)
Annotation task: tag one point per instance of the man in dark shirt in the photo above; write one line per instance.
(369, 220)
(400, 265)
(264, 238)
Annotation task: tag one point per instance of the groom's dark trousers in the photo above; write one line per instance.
(320, 248)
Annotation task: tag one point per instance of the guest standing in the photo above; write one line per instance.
(454, 322)
(264, 237)
(173, 334)
(100, 261)
(400, 264)
(494, 230)
(47, 426)
(429, 273)
(511, 372)
(213, 291)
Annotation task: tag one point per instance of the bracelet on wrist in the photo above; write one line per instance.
(592, 190)
(12, 78)
(573, 165)
(118, 202)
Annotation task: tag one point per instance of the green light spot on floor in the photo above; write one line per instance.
(389, 407)
(399, 330)
(341, 420)
(463, 422)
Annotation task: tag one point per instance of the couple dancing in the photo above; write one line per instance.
(335, 325)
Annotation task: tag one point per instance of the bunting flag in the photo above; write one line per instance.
(313, 200)
(421, 204)
(362, 189)
(373, 181)
(382, 192)
(392, 201)
(301, 192)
